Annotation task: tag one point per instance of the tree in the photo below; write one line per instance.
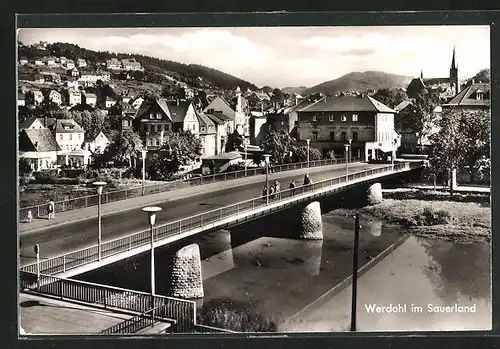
(179, 148)
(279, 145)
(300, 154)
(92, 122)
(482, 76)
(234, 142)
(463, 140)
(277, 96)
(50, 109)
(173, 91)
(123, 149)
(390, 97)
(424, 118)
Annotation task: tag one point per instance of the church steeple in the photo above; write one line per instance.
(421, 74)
(454, 84)
(453, 63)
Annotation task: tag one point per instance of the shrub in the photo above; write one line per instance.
(329, 155)
(431, 217)
(46, 177)
(235, 316)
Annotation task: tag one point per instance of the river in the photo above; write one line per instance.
(293, 282)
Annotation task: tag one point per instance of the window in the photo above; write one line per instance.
(70, 136)
(354, 136)
(331, 118)
(157, 142)
(151, 116)
(343, 136)
(314, 118)
(194, 127)
(60, 137)
(332, 136)
(354, 117)
(315, 136)
(158, 116)
(343, 118)
(80, 136)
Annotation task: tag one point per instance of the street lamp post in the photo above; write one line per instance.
(99, 186)
(151, 211)
(143, 169)
(347, 147)
(308, 142)
(350, 150)
(246, 158)
(355, 272)
(266, 159)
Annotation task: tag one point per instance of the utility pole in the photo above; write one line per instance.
(355, 272)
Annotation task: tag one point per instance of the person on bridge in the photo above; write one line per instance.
(52, 208)
(307, 179)
(292, 187)
(29, 216)
(271, 192)
(277, 187)
(264, 192)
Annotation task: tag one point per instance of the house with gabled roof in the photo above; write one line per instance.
(55, 97)
(80, 62)
(109, 102)
(69, 136)
(155, 118)
(32, 123)
(208, 135)
(224, 127)
(476, 96)
(94, 143)
(37, 96)
(137, 102)
(39, 147)
(331, 121)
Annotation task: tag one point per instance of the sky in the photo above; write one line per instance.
(293, 56)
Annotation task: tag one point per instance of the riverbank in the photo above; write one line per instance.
(461, 218)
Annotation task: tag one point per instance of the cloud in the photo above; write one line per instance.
(367, 44)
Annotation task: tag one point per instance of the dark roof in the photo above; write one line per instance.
(348, 104)
(27, 123)
(40, 140)
(178, 111)
(215, 119)
(225, 156)
(67, 126)
(207, 121)
(436, 81)
(467, 96)
(402, 105)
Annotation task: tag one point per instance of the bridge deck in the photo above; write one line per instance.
(115, 250)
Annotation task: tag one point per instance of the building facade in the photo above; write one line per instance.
(331, 122)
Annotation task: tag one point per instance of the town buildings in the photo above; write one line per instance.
(476, 96)
(38, 147)
(331, 122)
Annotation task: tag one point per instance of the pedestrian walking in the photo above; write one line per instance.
(29, 216)
(52, 209)
(271, 192)
(277, 187)
(292, 188)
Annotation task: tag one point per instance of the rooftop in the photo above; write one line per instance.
(348, 104)
(40, 140)
(469, 96)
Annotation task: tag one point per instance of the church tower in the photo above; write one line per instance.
(454, 84)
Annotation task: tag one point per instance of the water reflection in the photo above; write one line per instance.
(417, 274)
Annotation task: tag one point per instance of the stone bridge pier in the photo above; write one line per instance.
(185, 273)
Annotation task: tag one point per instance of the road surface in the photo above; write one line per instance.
(56, 241)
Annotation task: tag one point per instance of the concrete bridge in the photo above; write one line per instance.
(87, 259)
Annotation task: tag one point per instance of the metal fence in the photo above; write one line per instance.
(118, 195)
(139, 322)
(183, 312)
(207, 219)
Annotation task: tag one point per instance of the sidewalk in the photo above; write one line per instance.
(68, 217)
(40, 315)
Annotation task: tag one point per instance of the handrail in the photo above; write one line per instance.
(104, 296)
(124, 194)
(138, 322)
(63, 263)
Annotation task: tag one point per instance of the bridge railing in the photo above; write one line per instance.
(109, 297)
(140, 322)
(109, 248)
(118, 195)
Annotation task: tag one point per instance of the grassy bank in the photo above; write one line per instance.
(464, 218)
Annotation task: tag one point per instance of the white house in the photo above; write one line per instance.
(70, 137)
(39, 147)
(137, 102)
(23, 61)
(75, 73)
(89, 99)
(55, 97)
(38, 61)
(110, 102)
(93, 144)
(70, 64)
(20, 99)
(37, 96)
(74, 98)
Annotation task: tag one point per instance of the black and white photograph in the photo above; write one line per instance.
(272, 179)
